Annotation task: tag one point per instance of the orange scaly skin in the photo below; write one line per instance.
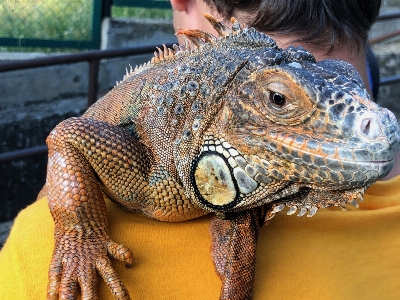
(232, 125)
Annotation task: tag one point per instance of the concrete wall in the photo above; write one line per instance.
(123, 33)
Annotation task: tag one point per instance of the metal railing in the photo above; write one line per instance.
(92, 57)
(386, 17)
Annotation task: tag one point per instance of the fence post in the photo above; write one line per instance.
(96, 23)
(106, 11)
(93, 81)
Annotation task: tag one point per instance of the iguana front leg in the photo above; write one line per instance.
(85, 157)
(233, 250)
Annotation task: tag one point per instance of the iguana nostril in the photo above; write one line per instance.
(366, 126)
(369, 125)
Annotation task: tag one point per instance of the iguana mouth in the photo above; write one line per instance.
(376, 161)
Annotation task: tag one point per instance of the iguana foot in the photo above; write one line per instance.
(233, 250)
(74, 265)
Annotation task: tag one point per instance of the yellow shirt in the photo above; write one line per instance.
(333, 255)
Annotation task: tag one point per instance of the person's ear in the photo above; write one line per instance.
(179, 5)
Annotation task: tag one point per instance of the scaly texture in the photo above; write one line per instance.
(233, 251)
(231, 125)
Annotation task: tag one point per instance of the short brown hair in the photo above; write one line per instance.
(326, 22)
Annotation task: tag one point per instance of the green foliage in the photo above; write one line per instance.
(58, 20)
(46, 19)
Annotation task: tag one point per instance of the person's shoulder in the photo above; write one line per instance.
(385, 187)
(26, 253)
(382, 194)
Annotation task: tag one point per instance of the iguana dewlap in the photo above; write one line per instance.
(232, 125)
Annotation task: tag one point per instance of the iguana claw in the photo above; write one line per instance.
(74, 266)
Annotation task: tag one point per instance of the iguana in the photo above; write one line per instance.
(231, 125)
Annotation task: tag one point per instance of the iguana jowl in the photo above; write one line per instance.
(233, 125)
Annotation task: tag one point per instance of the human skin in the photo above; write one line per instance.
(188, 14)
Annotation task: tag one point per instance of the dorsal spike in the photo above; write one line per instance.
(207, 37)
(171, 53)
(156, 58)
(165, 49)
(193, 35)
(222, 30)
(160, 54)
(235, 25)
(168, 53)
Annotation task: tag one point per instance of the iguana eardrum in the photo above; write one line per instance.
(231, 125)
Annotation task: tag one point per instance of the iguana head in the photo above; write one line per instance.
(285, 130)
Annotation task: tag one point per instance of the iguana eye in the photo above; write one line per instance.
(277, 100)
(281, 98)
